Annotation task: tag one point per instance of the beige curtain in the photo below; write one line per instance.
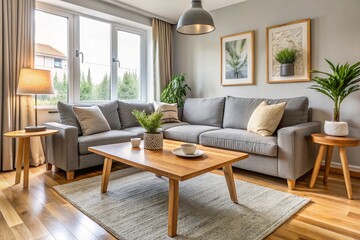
(16, 51)
(162, 58)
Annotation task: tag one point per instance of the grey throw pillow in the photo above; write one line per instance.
(110, 111)
(67, 116)
(91, 120)
(126, 118)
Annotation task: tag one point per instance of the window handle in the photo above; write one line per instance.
(78, 53)
(114, 60)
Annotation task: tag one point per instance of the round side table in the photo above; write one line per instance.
(23, 151)
(328, 143)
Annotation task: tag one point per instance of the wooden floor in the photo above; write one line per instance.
(40, 213)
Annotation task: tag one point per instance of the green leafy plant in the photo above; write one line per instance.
(286, 55)
(176, 91)
(150, 122)
(338, 84)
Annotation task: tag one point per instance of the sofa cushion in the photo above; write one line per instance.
(139, 131)
(109, 137)
(266, 118)
(204, 111)
(239, 110)
(187, 133)
(91, 120)
(67, 115)
(110, 111)
(166, 126)
(127, 119)
(240, 140)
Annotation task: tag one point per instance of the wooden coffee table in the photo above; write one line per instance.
(165, 163)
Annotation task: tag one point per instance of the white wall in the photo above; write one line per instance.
(335, 35)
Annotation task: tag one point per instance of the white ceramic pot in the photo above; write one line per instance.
(153, 141)
(339, 129)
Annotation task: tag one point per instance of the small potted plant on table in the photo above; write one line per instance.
(286, 57)
(153, 139)
(337, 86)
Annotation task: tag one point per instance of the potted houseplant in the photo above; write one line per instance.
(176, 90)
(286, 57)
(337, 86)
(153, 139)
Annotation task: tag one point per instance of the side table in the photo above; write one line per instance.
(328, 143)
(23, 151)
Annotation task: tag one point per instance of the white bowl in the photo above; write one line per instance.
(188, 148)
(135, 142)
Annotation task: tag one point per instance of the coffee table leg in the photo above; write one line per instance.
(346, 172)
(19, 160)
(228, 172)
(106, 174)
(173, 207)
(317, 165)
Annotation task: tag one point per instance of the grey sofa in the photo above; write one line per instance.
(216, 122)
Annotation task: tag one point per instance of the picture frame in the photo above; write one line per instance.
(237, 59)
(292, 35)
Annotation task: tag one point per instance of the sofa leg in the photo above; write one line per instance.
(48, 166)
(291, 184)
(70, 175)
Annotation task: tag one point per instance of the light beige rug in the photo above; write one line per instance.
(135, 206)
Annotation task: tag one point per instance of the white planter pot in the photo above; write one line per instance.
(339, 129)
(153, 141)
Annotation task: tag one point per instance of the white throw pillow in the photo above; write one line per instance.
(170, 111)
(266, 118)
(91, 120)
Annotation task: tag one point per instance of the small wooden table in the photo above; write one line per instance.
(165, 163)
(23, 151)
(327, 143)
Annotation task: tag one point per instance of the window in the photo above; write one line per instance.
(51, 49)
(95, 66)
(91, 60)
(58, 63)
(129, 74)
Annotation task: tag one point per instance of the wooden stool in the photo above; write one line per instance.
(327, 143)
(23, 151)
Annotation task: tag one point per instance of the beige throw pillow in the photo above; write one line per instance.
(91, 120)
(170, 111)
(266, 118)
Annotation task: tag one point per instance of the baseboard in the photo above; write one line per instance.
(335, 167)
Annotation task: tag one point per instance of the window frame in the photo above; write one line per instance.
(73, 62)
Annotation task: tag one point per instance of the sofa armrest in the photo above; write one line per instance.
(296, 153)
(62, 148)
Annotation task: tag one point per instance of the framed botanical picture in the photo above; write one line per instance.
(237, 59)
(288, 52)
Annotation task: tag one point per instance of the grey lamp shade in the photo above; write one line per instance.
(196, 20)
(35, 81)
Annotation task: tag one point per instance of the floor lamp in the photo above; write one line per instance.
(34, 82)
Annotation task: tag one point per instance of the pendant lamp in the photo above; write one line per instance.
(195, 21)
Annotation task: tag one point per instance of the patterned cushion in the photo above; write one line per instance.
(170, 113)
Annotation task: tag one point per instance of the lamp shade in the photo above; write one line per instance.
(196, 20)
(35, 81)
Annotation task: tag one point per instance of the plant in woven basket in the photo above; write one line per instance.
(150, 122)
(337, 86)
(153, 139)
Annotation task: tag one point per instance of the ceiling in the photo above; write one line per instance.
(169, 10)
